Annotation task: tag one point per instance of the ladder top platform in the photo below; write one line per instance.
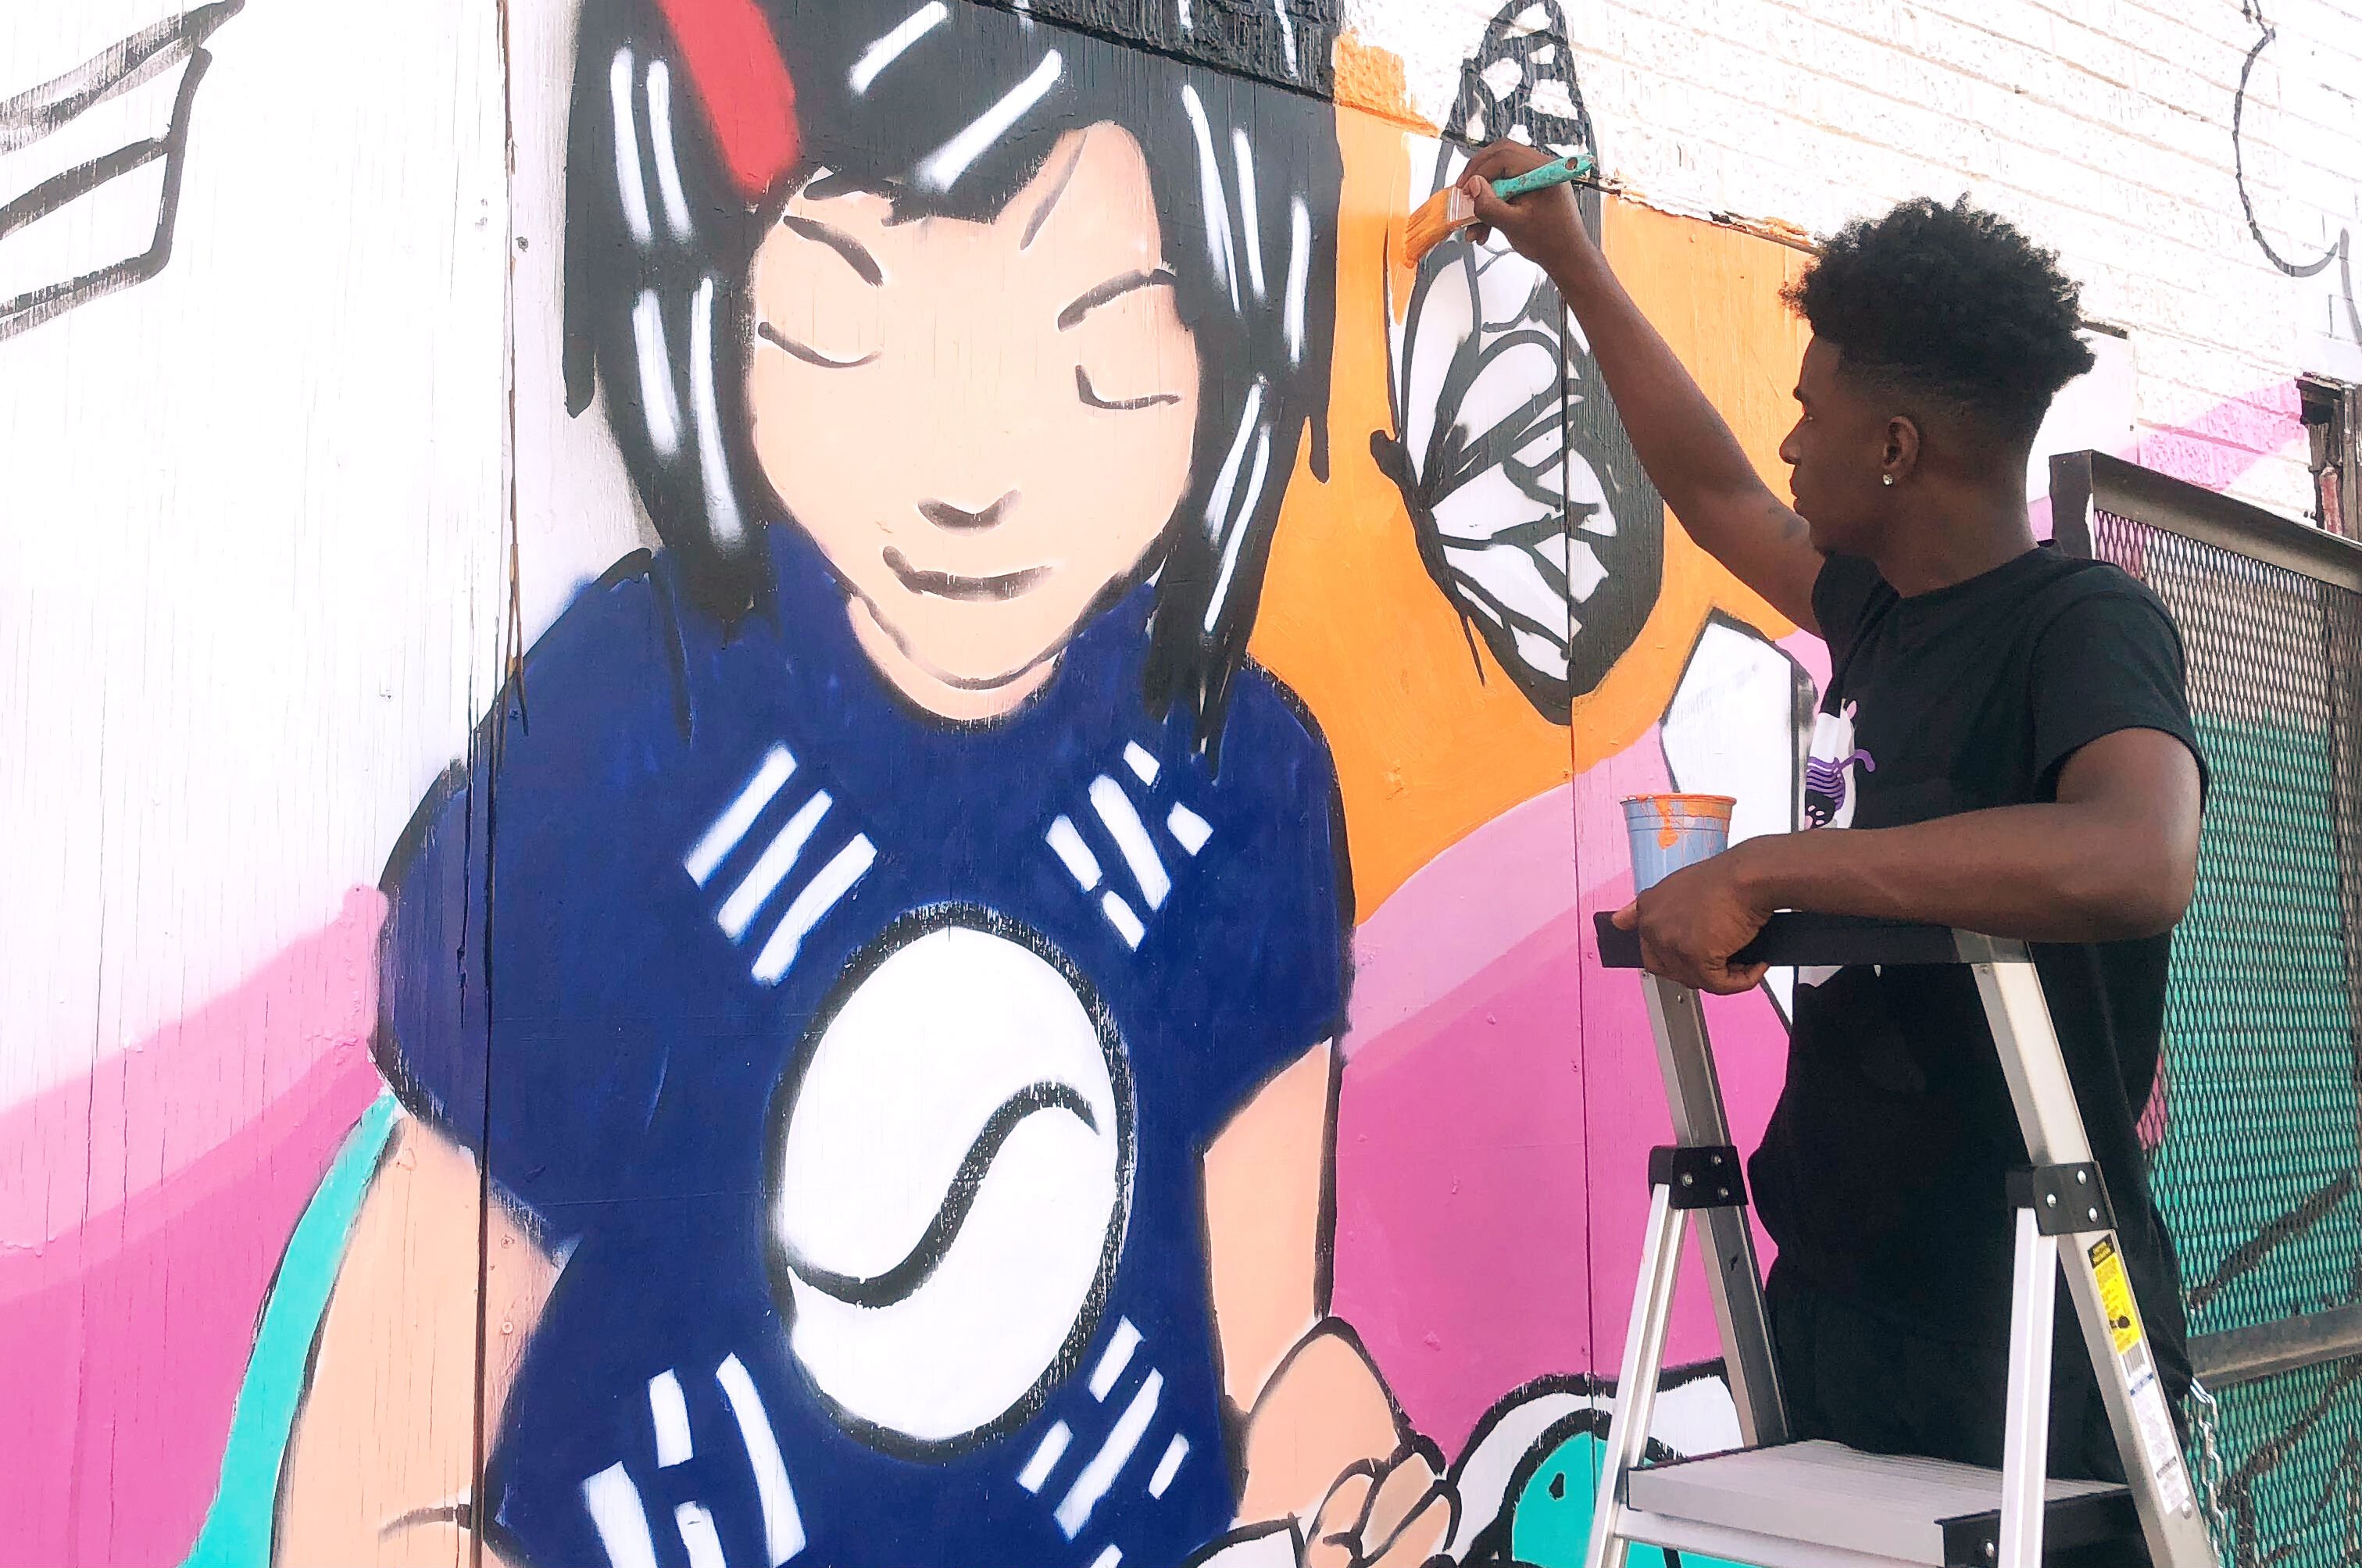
(1806, 940)
(1822, 1499)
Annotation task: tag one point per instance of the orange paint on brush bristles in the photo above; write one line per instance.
(1450, 209)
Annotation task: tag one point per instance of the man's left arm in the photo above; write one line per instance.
(2113, 855)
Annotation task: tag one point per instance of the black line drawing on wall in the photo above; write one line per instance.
(35, 116)
(2340, 250)
(1530, 509)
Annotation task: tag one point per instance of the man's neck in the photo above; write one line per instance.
(1949, 540)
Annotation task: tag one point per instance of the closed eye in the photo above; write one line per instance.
(1084, 389)
(771, 334)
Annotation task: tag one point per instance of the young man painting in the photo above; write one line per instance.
(2004, 746)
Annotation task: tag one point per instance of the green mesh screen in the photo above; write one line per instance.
(2254, 1126)
(2293, 1466)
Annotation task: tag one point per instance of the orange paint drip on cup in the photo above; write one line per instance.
(1675, 812)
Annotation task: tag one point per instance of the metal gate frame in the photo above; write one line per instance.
(2081, 485)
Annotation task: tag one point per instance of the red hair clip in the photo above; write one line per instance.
(750, 99)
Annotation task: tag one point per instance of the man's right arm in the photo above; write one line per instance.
(1694, 461)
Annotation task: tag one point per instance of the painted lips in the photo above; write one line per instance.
(948, 585)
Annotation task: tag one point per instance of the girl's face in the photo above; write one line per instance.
(982, 424)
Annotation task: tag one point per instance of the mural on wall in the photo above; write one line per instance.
(1018, 990)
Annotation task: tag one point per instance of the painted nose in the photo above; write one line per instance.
(944, 514)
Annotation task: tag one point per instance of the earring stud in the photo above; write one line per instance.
(1886, 479)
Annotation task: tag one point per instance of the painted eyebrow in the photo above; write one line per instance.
(1113, 289)
(856, 256)
(773, 336)
(1065, 177)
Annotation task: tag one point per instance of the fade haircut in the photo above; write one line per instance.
(1950, 306)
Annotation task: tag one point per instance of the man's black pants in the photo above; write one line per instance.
(1867, 1381)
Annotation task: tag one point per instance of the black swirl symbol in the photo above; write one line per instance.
(897, 1282)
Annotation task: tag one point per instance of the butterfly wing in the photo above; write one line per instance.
(1530, 510)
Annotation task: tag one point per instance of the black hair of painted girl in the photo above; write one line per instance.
(659, 238)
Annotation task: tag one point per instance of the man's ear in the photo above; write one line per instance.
(1902, 452)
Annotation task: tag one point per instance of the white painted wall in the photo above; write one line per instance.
(251, 513)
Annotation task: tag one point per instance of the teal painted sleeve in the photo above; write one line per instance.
(236, 1531)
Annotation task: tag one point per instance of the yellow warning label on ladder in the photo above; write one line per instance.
(2115, 1294)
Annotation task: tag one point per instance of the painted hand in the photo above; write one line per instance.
(1545, 225)
(1392, 1513)
(1693, 921)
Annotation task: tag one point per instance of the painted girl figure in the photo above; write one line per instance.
(886, 952)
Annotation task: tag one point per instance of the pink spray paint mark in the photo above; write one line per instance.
(211, 1136)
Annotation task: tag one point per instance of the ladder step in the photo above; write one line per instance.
(1822, 1502)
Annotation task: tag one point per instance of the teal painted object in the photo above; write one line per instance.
(236, 1531)
(1564, 171)
(1551, 1524)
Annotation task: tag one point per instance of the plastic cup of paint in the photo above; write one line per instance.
(1668, 832)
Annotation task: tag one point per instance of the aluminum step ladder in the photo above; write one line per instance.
(1779, 1503)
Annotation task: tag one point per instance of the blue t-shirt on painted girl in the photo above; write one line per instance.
(859, 1066)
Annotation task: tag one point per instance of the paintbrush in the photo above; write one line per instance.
(1450, 210)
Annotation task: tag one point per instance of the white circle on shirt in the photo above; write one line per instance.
(951, 1172)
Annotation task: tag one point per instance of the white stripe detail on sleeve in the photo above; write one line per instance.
(622, 1522)
(1127, 924)
(889, 48)
(1081, 864)
(770, 868)
(1169, 1466)
(630, 184)
(657, 403)
(1136, 756)
(697, 1534)
(944, 166)
(669, 1409)
(732, 825)
(1046, 1454)
(676, 201)
(1100, 1474)
(1107, 1558)
(819, 895)
(1189, 830)
(1130, 835)
(783, 1527)
(1120, 1346)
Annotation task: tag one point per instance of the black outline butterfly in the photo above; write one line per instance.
(1505, 515)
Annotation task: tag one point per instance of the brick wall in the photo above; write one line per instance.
(2103, 126)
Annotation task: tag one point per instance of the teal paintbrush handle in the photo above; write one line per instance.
(1558, 173)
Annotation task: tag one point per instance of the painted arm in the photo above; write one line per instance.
(2114, 857)
(1693, 459)
(380, 1467)
(1323, 1443)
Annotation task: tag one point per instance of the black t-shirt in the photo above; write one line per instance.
(1880, 1175)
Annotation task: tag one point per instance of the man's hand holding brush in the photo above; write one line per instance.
(1545, 225)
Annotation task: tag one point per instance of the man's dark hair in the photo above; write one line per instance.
(1950, 305)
